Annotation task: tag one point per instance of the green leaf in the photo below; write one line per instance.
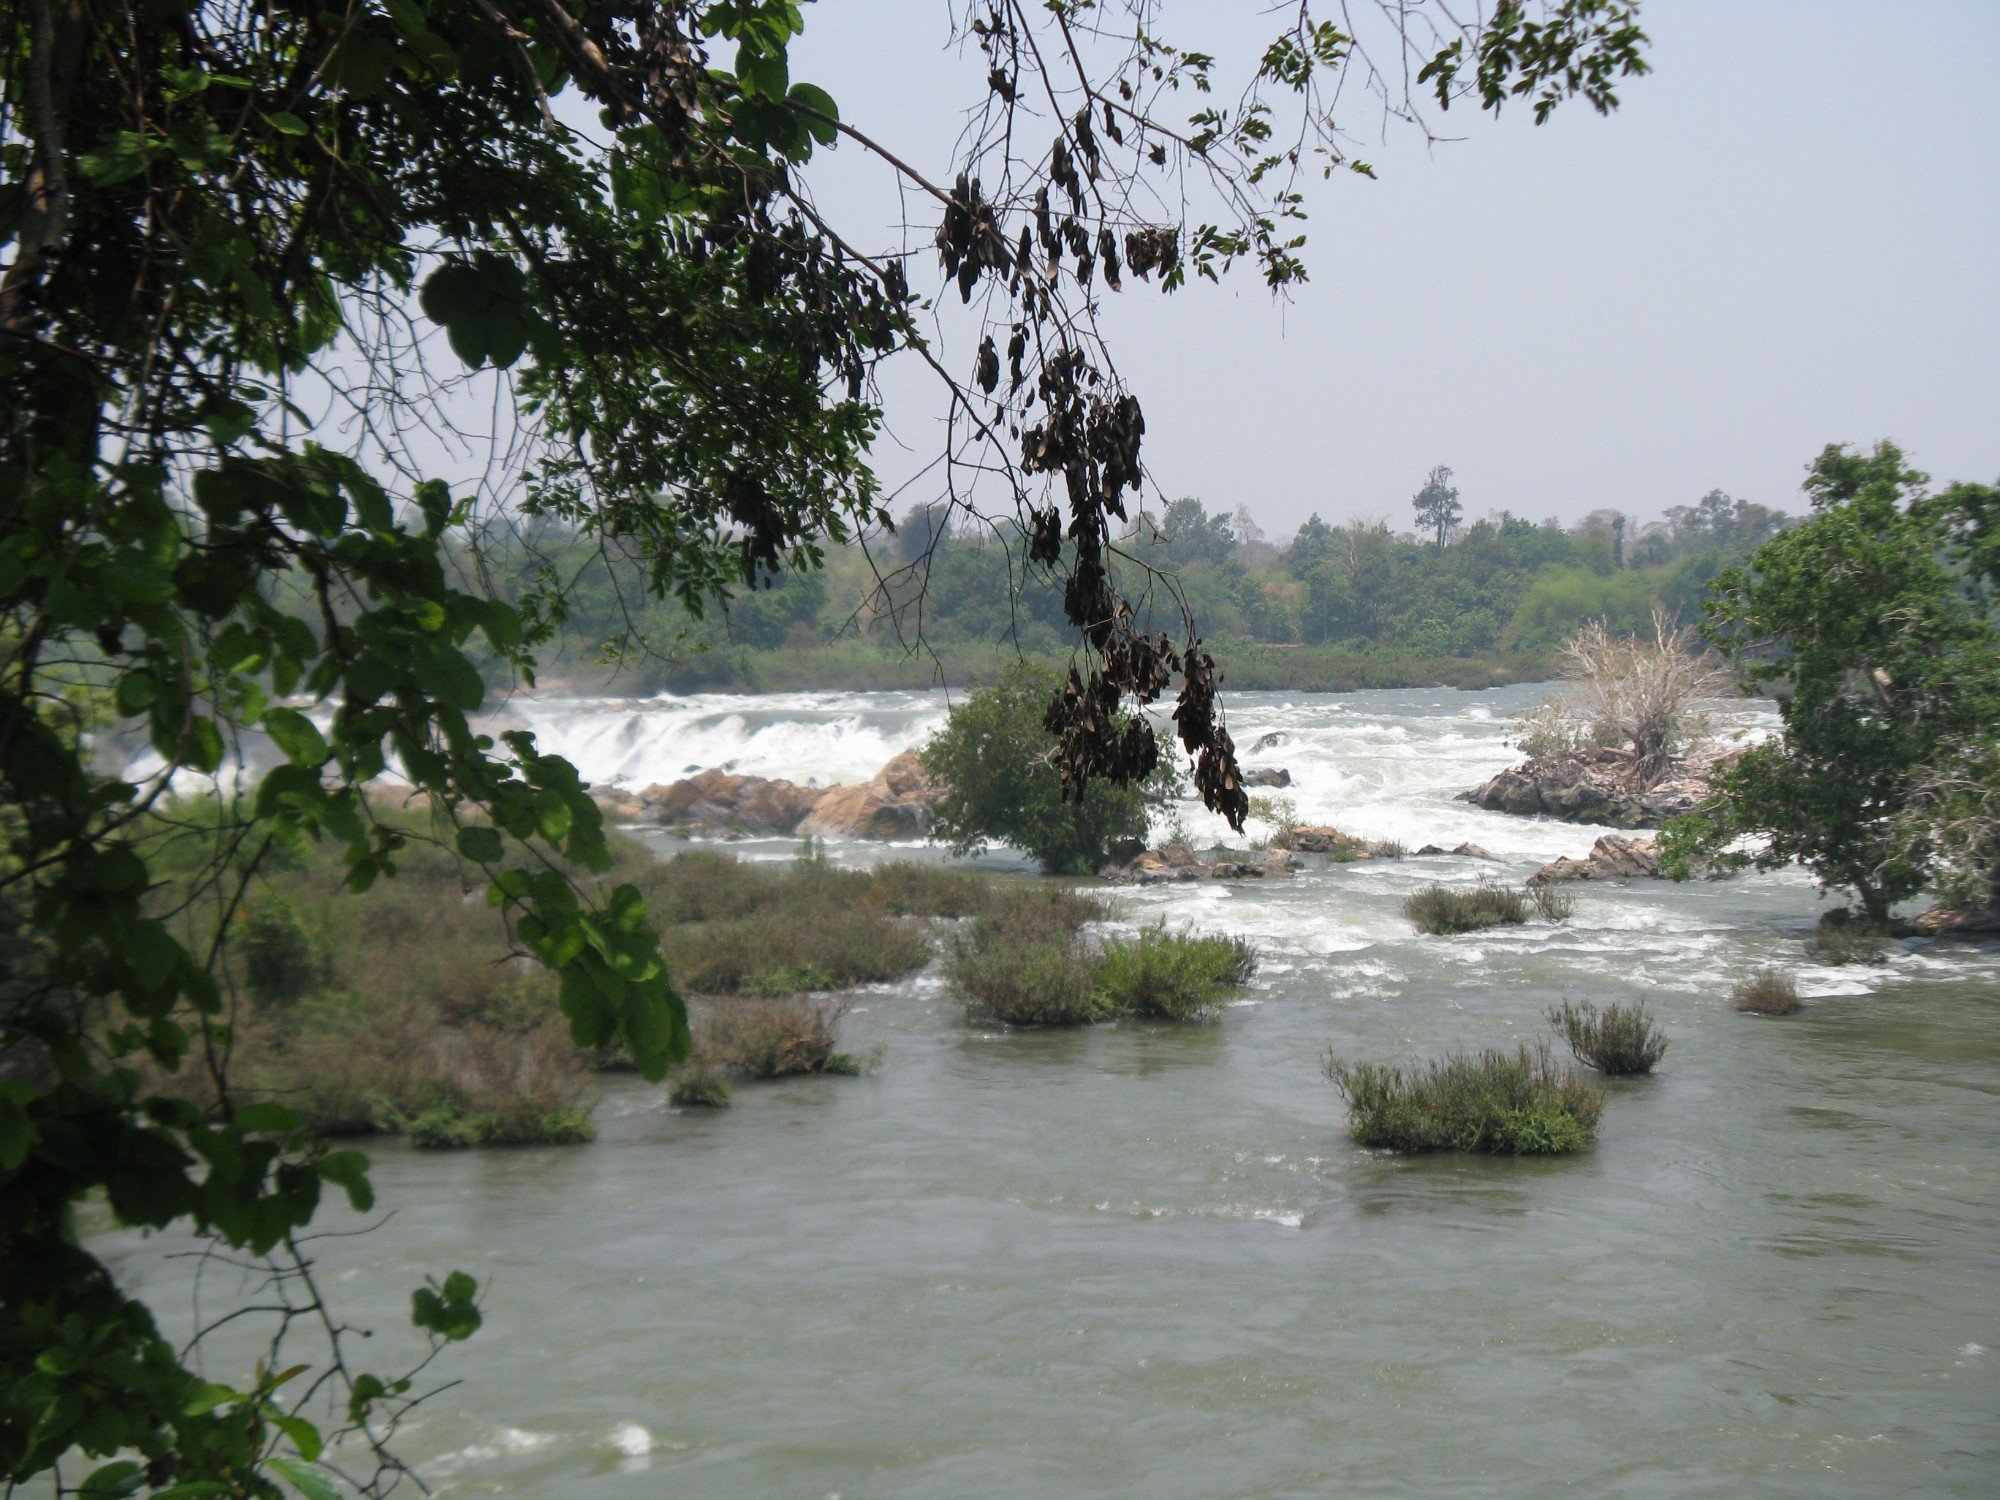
(113, 1480)
(119, 159)
(287, 123)
(308, 1481)
(447, 1311)
(208, 1397)
(297, 736)
(349, 1170)
(305, 1437)
(817, 100)
(481, 844)
(267, 1115)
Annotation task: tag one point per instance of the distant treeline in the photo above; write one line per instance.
(1334, 607)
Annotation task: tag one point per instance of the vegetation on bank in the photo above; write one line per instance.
(410, 1009)
(1520, 1103)
(1027, 962)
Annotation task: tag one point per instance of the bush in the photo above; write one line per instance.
(1842, 937)
(1766, 992)
(1520, 1103)
(1442, 910)
(443, 1127)
(771, 1038)
(1618, 1039)
(1170, 976)
(1552, 902)
(914, 890)
(996, 765)
(1023, 978)
(281, 963)
(698, 1086)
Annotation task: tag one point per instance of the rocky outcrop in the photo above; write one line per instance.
(1612, 857)
(1597, 786)
(1467, 850)
(1267, 776)
(1958, 921)
(1178, 862)
(896, 804)
(1318, 839)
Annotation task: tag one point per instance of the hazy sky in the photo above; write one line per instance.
(1789, 235)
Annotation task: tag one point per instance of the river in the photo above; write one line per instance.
(1146, 1261)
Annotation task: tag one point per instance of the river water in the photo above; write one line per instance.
(1146, 1261)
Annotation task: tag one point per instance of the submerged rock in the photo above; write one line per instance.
(1178, 862)
(1267, 776)
(1468, 850)
(1320, 839)
(1612, 857)
(1597, 786)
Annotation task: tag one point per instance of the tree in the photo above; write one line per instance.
(996, 761)
(1865, 623)
(1193, 535)
(1437, 505)
(253, 248)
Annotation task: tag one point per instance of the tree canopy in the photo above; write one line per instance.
(260, 260)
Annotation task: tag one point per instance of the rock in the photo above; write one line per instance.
(1468, 850)
(1596, 786)
(1957, 921)
(1612, 857)
(1319, 839)
(896, 804)
(1267, 776)
(1275, 738)
(1177, 862)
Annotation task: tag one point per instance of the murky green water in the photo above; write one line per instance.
(1147, 1261)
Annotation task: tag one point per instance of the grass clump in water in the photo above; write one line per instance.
(772, 1038)
(1520, 1103)
(1442, 910)
(1552, 902)
(699, 1086)
(445, 1127)
(1619, 1039)
(1171, 976)
(1845, 938)
(1767, 992)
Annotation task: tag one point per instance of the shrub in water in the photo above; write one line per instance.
(1170, 976)
(1617, 1039)
(1766, 992)
(1844, 938)
(772, 1038)
(1552, 902)
(444, 1127)
(1023, 978)
(1519, 1103)
(698, 1086)
(1442, 910)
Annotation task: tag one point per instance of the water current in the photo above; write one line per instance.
(1146, 1261)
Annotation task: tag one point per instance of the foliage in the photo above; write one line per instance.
(1026, 963)
(698, 1086)
(280, 961)
(996, 761)
(1170, 976)
(443, 1128)
(1442, 910)
(779, 1038)
(1520, 1103)
(1840, 937)
(1627, 692)
(1618, 1039)
(1552, 902)
(1437, 507)
(1766, 992)
(1867, 623)
(224, 220)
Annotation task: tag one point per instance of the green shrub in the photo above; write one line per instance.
(906, 889)
(1843, 937)
(1442, 910)
(281, 962)
(442, 1127)
(995, 764)
(1170, 976)
(698, 1086)
(1766, 992)
(1519, 1103)
(779, 1038)
(1618, 1039)
(1024, 979)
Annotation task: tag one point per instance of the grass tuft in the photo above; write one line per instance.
(1553, 903)
(1767, 992)
(698, 1086)
(1619, 1039)
(1442, 910)
(1844, 938)
(1520, 1103)
(771, 1038)
(1171, 976)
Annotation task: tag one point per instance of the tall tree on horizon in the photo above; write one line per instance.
(1437, 505)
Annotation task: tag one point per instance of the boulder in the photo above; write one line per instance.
(1958, 921)
(1319, 839)
(1177, 862)
(1598, 786)
(1612, 857)
(1468, 850)
(895, 805)
(1267, 776)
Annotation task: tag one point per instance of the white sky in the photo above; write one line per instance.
(1789, 235)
